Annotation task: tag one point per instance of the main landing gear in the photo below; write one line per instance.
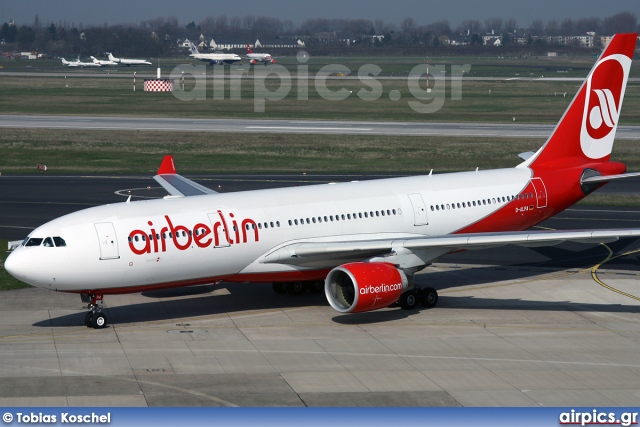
(298, 288)
(409, 300)
(95, 318)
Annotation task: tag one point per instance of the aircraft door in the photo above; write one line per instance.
(541, 192)
(220, 229)
(108, 240)
(419, 209)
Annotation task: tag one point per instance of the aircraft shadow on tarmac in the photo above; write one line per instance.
(196, 301)
(566, 255)
(192, 302)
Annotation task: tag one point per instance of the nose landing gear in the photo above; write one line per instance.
(94, 318)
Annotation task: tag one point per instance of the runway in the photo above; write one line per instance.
(291, 126)
(553, 326)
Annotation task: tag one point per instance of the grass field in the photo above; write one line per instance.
(86, 151)
(496, 102)
(492, 101)
(492, 65)
(7, 282)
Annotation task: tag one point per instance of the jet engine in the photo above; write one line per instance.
(254, 62)
(364, 286)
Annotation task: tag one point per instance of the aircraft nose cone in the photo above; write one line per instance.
(16, 265)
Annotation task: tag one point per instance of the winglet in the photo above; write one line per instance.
(167, 167)
(177, 185)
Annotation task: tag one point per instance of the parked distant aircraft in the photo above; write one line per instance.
(254, 58)
(128, 62)
(214, 58)
(365, 240)
(78, 63)
(102, 62)
(75, 63)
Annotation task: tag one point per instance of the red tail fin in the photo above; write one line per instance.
(586, 132)
(249, 50)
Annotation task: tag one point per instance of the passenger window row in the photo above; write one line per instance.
(489, 201)
(345, 217)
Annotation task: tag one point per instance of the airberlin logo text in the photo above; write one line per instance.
(380, 289)
(225, 232)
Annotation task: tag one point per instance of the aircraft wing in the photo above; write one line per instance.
(178, 185)
(313, 252)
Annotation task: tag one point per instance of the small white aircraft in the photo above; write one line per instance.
(362, 241)
(102, 62)
(78, 63)
(128, 62)
(254, 58)
(75, 63)
(213, 58)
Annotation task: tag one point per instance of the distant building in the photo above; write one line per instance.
(492, 40)
(459, 40)
(372, 38)
(326, 36)
(605, 40)
(582, 41)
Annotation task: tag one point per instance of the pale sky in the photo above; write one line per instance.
(93, 12)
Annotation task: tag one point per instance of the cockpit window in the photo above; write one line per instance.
(48, 242)
(34, 241)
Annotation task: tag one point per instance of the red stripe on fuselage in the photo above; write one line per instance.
(562, 187)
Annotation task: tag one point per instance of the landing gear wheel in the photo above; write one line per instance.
(429, 297)
(408, 300)
(99, 321)
(296, 288)
(316, 286)
(279, 287)
(88, 318)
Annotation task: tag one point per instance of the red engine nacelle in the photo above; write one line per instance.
(254, 62)
(364, 286)
(273, 61)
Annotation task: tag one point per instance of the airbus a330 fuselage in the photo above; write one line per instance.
(365, 240)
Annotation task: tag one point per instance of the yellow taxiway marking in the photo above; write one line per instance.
(594, 271)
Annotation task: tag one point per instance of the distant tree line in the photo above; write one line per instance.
(159, 37)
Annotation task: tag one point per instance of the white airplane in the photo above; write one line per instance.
(90, 64)
(254, 58)
(128, 62)
(78, 63)
(213, 58)
(102, 62)
(365, 240)
(75, 63)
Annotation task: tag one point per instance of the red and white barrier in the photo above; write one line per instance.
(158, 85)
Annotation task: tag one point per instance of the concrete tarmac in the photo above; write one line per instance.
(498, 337)
(527, 327)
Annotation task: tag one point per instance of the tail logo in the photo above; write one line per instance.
(606, 112)
(604, 93)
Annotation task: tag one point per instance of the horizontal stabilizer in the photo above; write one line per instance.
(608, 178)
